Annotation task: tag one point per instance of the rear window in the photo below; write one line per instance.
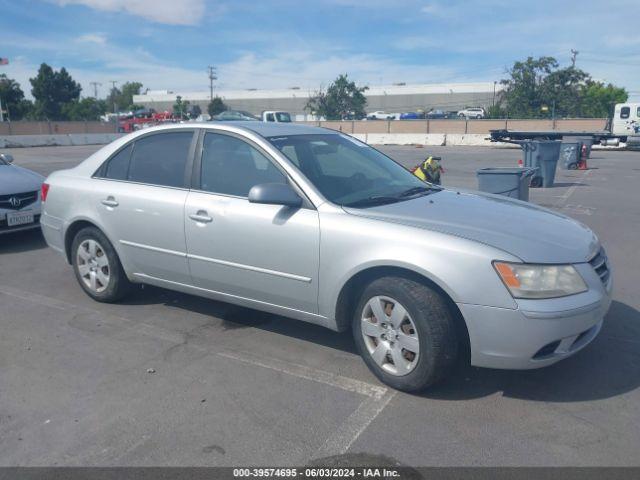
(118, 166)
(625, 112)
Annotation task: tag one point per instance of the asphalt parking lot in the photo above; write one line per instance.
(171, 379)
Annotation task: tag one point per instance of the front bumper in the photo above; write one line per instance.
(539, 332)
(33, 208)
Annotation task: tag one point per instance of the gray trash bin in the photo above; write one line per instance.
(570, 153)
(543, 156)
(511, 182)
(586, 140)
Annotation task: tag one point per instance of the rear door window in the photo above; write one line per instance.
(161, 159)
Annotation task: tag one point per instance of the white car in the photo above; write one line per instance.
(19, 197)
(380, 115)
(473, 112)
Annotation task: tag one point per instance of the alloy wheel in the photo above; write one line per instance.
(390, 336)
(93, 265)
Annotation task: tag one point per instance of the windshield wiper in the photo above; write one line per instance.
(419, 190)
(373, 200)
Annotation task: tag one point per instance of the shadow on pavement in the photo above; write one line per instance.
(235, 317)
(24, 241)
(608, 367)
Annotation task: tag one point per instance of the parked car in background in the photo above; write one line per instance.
(473, 112)
(437, 114)
(234, 115)
(19, 196)
(411, 116)
(276, 117)
(379, 115)
(315, 225)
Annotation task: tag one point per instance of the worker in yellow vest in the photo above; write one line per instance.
(429, 170)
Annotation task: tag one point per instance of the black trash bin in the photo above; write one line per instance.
(543, 156)
(511, 182)
(570, 153)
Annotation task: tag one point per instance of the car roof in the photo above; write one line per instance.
(273, 129)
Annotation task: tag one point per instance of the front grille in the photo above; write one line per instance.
(600, 265)
(16, 201)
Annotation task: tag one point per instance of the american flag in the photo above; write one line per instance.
(4, 61)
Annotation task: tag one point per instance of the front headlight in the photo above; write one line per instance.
(540, 281)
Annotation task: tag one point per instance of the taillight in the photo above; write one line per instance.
(44, 190)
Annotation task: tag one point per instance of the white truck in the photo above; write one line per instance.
(276, 116)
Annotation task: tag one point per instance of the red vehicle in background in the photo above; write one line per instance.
(144, 118)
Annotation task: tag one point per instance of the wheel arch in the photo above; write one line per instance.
(74, 227)
(349, 296)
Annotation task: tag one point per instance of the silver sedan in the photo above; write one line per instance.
(315, 225)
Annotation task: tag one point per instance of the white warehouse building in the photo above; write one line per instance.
(390, 98)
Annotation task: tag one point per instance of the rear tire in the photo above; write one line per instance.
(414, 345)
(97, 266)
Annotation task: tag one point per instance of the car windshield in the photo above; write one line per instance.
(348, 172)
(283, 117)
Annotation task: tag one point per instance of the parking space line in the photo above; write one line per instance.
(309, 373)
(341, 440)
(564, 198)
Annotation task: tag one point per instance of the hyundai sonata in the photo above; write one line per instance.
(313, 224)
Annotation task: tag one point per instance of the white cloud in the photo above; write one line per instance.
(170, 12)
(92, 38)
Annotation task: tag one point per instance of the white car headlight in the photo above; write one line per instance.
(540, 281)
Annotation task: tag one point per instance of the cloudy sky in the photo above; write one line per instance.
(167, 44)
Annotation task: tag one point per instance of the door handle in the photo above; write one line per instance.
(110, 202)
(201, 216)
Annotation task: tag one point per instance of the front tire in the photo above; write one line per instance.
(97, 266)
(405, 333)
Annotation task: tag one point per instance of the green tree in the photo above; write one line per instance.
(52, 90)
(561, 91)
(216, 106)
(598, 99)
(14, 104)
(342, 100)
(194, 111)
(86, 109)
(180, 108)
(122, 98)
(522, 91)
(539, 88)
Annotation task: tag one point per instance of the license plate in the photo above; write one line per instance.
(19, 218)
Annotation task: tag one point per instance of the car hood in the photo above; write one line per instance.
(14, 179)
(531, 233)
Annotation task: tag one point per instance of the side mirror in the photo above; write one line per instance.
(6, 157)
(275, 194)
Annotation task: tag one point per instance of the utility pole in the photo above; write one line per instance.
(493, 102)
(115, 107)
(95, 86)
(212, 77)
(3, 61)
(574, 54)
